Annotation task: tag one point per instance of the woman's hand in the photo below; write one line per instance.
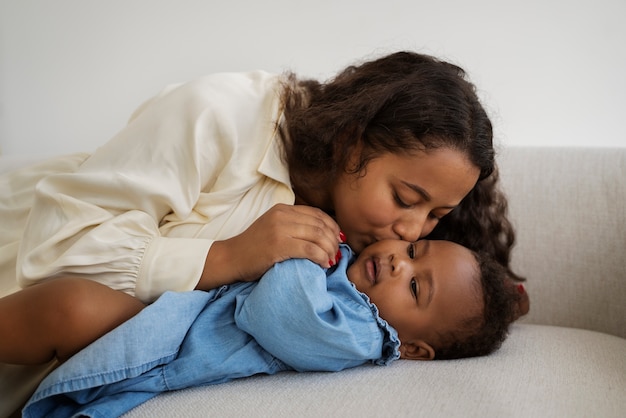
(283, 232)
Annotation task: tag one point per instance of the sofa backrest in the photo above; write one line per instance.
(569, 209)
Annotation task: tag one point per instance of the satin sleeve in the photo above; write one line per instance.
(103, 221)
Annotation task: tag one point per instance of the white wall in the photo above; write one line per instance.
(551, 72)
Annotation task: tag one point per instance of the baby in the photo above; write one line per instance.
(420, 301)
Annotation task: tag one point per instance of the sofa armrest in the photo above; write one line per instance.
(569, 209)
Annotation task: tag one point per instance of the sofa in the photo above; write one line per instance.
(566, 358)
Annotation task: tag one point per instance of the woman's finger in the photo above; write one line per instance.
(308, 224)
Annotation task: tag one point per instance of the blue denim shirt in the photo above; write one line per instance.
(297, 317)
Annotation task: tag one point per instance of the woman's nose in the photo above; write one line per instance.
(409, 228)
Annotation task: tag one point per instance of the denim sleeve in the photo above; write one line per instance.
(308, 324)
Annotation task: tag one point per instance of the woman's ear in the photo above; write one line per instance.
(417, 350)
(349, 156)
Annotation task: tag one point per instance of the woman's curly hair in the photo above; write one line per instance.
(401, 102)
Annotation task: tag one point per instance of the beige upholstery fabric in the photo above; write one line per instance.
(541, 371)
(569, 209)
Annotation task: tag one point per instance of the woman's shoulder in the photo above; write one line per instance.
(241, 99)
(233, 85)
(243, 105)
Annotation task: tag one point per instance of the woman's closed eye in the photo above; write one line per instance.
(401, 202)
(434, 217)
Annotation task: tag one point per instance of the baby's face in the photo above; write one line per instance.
(422, 289)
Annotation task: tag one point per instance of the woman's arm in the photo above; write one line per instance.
(196, 142)
(58, 318)
(283, 232)
(103, 221)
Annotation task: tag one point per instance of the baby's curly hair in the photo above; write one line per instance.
(484, 333)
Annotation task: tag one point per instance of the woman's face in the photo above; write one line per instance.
(401, 196)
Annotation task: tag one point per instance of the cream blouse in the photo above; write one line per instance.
(197, 163)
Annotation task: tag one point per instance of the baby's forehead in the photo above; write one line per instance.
(462, 262)
(452, 250)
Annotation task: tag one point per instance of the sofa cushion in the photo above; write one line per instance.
(539, 371)
(568, 207)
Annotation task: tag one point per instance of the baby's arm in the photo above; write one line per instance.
(58, 318)
(294, 315)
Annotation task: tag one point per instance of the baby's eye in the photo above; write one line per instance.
(411, 250)
(414, 287)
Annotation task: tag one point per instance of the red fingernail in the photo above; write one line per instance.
(331, 263)
(338, 256)
(520, 288)
(342, 236)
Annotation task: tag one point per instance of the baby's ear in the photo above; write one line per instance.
(417, 350)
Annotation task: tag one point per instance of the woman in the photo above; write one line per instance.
(207, 173)
(198, 190)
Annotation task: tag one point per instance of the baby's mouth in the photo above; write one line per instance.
(373, 268)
